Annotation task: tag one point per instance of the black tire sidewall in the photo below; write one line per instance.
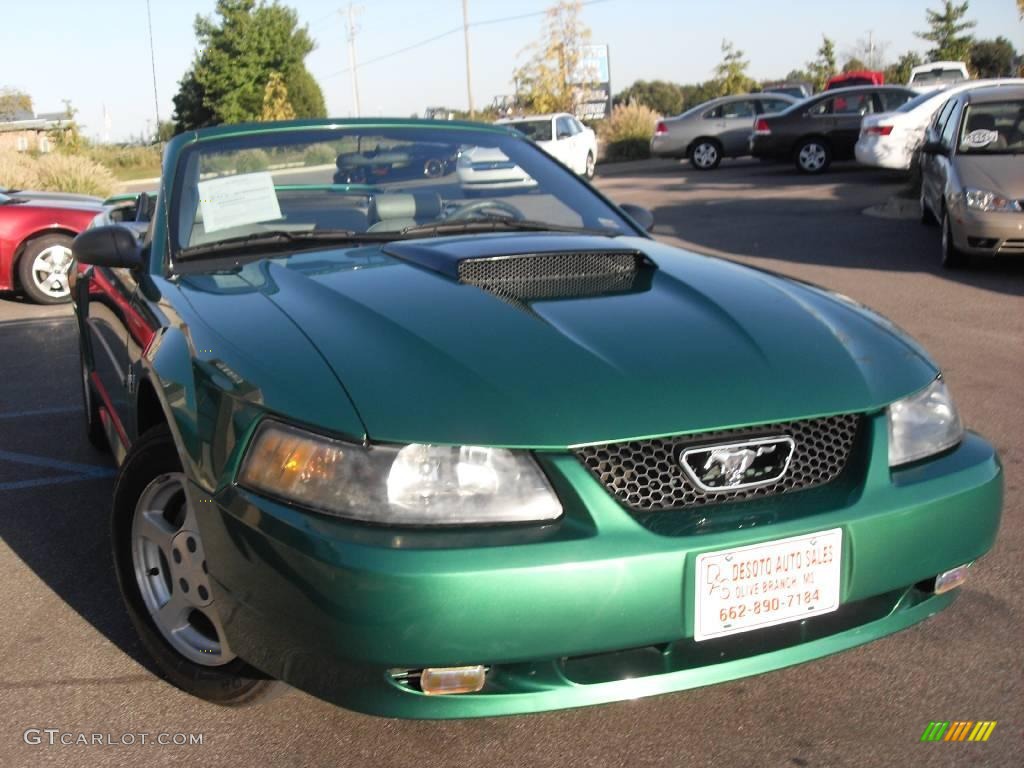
(591, 166)
(951, 257)
(32, 249)
(234, 683)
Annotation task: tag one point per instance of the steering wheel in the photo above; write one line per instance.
(467, 211)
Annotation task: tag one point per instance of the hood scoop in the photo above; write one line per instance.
(534, 277)
(550, 271)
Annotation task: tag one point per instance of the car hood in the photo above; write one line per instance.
(699, 343)
(997, 173)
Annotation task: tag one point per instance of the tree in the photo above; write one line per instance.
(239, 48)
(1020, 8)
(993, 58)
(798, 76)
(664, 98)
(870, 51)
(549, 80)
(164, 131)
(900, 71)
(275, 100)
(731, 72)
(823, 67)
(304, 94)
(854, 65)
(15, 104)
(946, 32)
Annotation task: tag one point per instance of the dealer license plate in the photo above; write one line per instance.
(748, 588)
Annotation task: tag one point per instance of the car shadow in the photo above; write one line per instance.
(757, 211)
(55, 489)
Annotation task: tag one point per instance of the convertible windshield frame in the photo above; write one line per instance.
(574, 194)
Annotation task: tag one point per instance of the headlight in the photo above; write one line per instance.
(414, 484)
(923, 424)
(990, 202)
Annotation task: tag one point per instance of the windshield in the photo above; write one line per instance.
(538, 130)
(378, 182)
(935, 76)
(993, 128)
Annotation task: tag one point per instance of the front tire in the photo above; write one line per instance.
(161, 570)
(813, 156)
(705, 155)
(44, 267)
(952, 258)
(590, 166)
(927, 217)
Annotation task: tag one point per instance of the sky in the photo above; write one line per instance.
(97, 53)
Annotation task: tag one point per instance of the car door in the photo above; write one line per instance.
(564, 144)
(848, 110)
(931, 172)
(737, 123)
(104, 299)
(942, 163)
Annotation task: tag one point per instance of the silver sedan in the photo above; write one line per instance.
(715, 129)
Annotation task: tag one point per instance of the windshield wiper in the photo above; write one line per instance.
(497, 224)
(276, 238)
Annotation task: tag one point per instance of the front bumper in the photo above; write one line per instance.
(598, 609)
(988, 234)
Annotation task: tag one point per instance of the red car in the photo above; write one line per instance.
(36, 230)
(857, 77)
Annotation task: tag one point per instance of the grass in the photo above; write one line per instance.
(56, 172)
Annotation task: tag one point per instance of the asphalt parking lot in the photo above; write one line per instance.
(69, 660)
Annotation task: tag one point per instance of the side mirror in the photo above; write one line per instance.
(640, 215)
(934, 147)
(109, 246)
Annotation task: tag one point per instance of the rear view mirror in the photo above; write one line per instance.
(109, 246)
(640, 215)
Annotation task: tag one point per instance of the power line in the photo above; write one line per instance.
(449, 33)
(152, 61)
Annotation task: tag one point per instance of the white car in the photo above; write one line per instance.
(563, 137)
(892, 139)
(936, 75)
(488, 168)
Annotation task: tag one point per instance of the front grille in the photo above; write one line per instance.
(552, 275)
(1012, 246)
(646, 475)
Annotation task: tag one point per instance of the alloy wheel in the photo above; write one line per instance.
(705, 155)
(170, 568)
(812, 157)
(50, 270)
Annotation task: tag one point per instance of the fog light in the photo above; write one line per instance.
(951, 579)
(443, 680)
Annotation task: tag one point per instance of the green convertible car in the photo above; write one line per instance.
(423, 453)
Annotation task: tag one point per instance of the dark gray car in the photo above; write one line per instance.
(823, 128)
(715, 129)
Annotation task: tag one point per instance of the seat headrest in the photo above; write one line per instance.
(407, 205)
(981, 122)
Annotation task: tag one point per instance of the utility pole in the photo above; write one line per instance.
(871, 49)
(469, 76)
(352, 29)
